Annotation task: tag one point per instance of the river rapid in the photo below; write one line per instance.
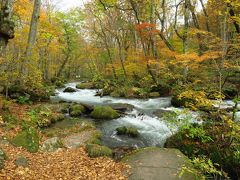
(153, 130)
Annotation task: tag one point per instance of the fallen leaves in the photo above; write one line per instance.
(66, 164)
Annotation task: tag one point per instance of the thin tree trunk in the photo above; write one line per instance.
(206, 15)
(121, 56)
(63, 65)
(33, 28)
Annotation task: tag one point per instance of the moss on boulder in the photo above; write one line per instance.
(85, 85)
(104, 112)
(69, 90)
(77, 110)
(95, 150)
(129, 131)
(154, 95)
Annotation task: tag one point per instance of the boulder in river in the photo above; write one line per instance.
(88, 108)
(69, 90)
(85, 85)
(160, 113)
(129, 131)
(104, 113)
(154, 95)
(121, 107)
(77, 110)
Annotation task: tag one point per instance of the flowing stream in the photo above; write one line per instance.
(153, 130)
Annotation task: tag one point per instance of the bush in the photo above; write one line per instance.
(192, 99)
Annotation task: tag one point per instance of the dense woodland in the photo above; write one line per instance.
(187, 49)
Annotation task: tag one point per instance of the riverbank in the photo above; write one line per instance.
(75, 119)
(65, 163)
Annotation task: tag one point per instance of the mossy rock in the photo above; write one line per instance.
(69, 90)
(77, 110)
(27, 139)
(95, 150)
(129, 131)
(115, 94)
(65, 108)
(3, 155)
(57, 117)
(96, 138)
(154, 95)
(86, 85)
(59, 84)
(104, 112)
(119, 92)
(21, 161)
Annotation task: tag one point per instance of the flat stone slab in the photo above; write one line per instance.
(158, 164)
(77, 140)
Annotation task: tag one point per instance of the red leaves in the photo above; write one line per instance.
(146, 29)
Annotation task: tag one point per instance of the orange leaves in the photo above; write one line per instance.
(192, 58)
(146, 29)
(65, 164)
(145, 25)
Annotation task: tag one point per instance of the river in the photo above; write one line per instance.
(153, 130)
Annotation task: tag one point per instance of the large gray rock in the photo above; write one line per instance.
(158, 164)
(77, 140)
(51, 145)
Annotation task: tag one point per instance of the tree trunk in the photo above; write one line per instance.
(33, 28)
(206, 15)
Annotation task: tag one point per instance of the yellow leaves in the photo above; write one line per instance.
(23, 8)
(195, 99)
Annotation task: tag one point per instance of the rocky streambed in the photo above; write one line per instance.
(146, 115)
